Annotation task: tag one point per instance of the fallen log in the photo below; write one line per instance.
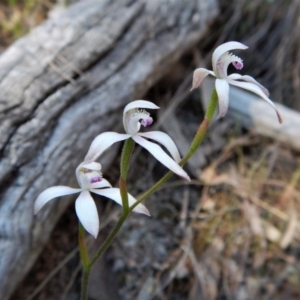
(63, 84)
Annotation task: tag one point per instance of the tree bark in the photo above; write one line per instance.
(63, 84)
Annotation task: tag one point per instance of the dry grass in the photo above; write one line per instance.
(247, 230)
(18, 17)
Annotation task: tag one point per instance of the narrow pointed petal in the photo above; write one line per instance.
(255, 89)
(114, 194)
(165, 140)
(51, 193)
(222, 88)
(101, 184)
(161, 156)
(102, 142)
(140, 104)
(199, 75)
(87, 213)
(219, 51)
(250, 79)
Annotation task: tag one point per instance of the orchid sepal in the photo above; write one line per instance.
(199, 75)
(164, 140)
(102, 142)
(87, 213)
(51, 193)
(140, 104)
(222, 88)
(114, 194)
(161, 156)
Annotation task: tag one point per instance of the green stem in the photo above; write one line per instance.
(125, 159)
(109, 239)
(84, 284)
(124, 195)
(211, 108)
(82, 247)
(85, 262)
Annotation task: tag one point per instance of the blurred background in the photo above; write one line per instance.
(233, 232)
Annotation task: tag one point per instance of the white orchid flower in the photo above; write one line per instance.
(133, 118)
(221, 59)
(89, 179)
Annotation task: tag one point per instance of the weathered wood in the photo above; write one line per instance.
(63, 84)
(254, 113)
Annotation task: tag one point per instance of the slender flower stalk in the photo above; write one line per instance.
(84, 283)
(221, 59)
(85, 262)
(125, 159)
(82, 247)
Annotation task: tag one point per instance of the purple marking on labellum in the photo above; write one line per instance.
(146, 122)
(238, 65)
(95, 179)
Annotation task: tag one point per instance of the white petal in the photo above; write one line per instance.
(87, 213)
(161, 156)
(247, 78)
(101, 184)
(219, 51)
(222, 88)
(102, 142)
(140, 104)
(165, 140)
(199, 75)
(255, 89)
(114, 194)
(50, 193)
